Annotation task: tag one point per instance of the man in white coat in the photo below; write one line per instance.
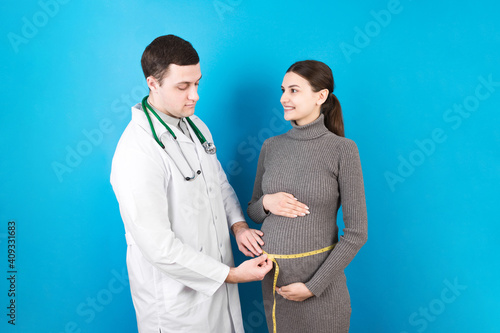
(179, 257)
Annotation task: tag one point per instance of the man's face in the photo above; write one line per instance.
(178, 93)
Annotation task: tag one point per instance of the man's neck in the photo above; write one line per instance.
(154, 105)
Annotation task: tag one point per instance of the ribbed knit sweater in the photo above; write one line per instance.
(323, 171)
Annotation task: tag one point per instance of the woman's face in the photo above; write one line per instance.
(299, 101)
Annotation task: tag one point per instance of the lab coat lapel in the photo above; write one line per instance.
(182, 152)
(186, 164)
(199, 148)
(181, 137)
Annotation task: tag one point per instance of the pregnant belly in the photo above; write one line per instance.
(293, 236)
(283, 235)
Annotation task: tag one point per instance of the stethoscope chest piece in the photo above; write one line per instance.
(209, 147)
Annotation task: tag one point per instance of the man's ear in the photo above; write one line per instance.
(153, 83)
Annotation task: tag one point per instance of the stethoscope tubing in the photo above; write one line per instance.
(208, 146)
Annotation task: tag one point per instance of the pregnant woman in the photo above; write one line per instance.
(303, 177)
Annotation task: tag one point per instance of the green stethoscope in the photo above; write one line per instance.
(208, 146)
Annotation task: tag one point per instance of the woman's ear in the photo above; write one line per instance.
(322, 96)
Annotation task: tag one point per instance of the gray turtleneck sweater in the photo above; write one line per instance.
(323, 171)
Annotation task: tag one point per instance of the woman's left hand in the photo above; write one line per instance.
(297, 292)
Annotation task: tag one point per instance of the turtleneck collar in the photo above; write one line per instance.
(310, 131)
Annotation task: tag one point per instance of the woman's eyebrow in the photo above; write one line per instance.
(291, 86)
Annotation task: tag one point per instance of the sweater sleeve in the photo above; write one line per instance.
(352, 198)
(255, 208)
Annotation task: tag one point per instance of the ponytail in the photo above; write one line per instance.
(332, 111)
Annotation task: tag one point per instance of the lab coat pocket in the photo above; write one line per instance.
(178, 297)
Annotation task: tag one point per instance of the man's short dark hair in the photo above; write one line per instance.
(166, 50)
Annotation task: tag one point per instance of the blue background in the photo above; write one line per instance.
(71, 71)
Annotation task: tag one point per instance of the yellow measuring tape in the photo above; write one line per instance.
(273, 257)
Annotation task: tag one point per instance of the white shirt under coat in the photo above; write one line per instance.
(177, 231)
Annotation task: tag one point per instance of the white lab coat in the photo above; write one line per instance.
(177, 231)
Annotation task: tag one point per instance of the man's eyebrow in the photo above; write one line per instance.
(187, 82)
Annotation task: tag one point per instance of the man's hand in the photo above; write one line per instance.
(250, 270)
(297, 292)
(284, 204)
(249, 240)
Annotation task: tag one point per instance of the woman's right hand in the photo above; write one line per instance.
(284, 204)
